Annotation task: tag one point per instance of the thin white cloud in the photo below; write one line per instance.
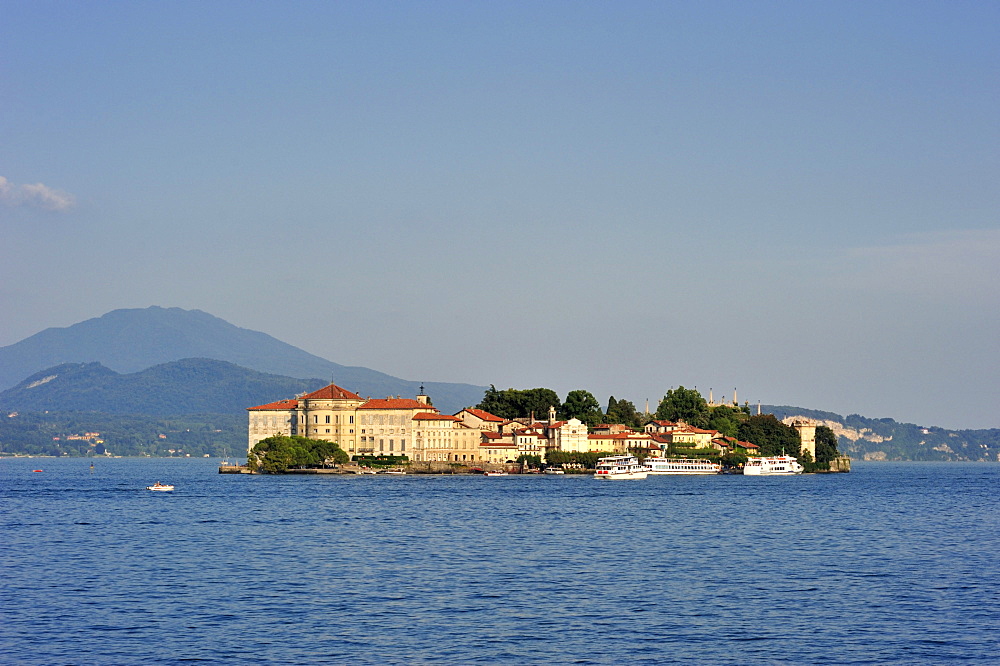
(36, 196)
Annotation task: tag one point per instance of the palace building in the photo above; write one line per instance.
(365, 426)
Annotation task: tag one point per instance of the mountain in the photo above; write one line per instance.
(189, 386)
(131, 340)
(863, 438)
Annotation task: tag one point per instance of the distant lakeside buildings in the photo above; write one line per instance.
(414, 428)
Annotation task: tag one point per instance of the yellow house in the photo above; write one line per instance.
(498, 449)
(443, 438)
(696, 438)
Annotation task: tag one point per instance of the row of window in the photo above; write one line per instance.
(336, 419)
(368, 444)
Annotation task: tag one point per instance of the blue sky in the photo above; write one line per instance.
(799, 200)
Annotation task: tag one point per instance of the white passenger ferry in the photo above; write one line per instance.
(615, 468)
(657, 465)
(772, 466)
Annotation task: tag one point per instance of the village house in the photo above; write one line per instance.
(660, 427)
(480, 420)
(497, 448)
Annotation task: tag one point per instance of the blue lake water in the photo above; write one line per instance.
(892, 563)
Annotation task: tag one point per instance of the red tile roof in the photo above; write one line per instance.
(434, 416)
(484, 415)
(395, 403)
(280, 404)
(332, 392)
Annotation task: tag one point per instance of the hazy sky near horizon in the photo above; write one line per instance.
(796, 199)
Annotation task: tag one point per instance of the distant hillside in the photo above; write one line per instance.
(96, 433)
(885, 439)
(189, 386)
(127, 341)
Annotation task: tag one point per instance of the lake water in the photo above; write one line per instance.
(892, 563)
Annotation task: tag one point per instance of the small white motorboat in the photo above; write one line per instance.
(554, 470)
(159, 486)
(496, 473)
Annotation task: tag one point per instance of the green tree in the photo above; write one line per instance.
(280, 453)
(733, 459)
(623, 411)
(582, 405)
(517, 403)
(529, 460)
(498, 404)
(686, 405)
(772, 436)
(726, 419)
(826, 444)
(588, 460)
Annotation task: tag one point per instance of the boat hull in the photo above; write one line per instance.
(621, 476)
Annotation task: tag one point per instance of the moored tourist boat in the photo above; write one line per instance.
(773, 466)
(159, 486)
(656, 465)
(615, 468)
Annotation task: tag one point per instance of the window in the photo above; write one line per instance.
(328, 420)
(392, 445)
(402, 445)
(381, 445)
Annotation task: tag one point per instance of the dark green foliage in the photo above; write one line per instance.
(582, 405)
(381, 461)
(530, 460)
(826, 445)
(623, 411)
(588, 460)
(279, 453)
(726, 419)
(733, 459)
(772, 436)
(686, 405)
(518, 403)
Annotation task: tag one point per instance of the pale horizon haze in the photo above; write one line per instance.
(798, 200)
